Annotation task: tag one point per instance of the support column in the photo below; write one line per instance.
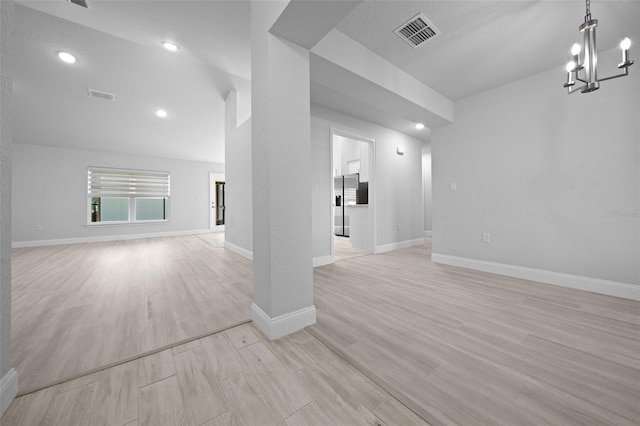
(8, 376)
(281, 166)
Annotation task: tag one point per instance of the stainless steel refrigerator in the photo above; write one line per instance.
(345, 187)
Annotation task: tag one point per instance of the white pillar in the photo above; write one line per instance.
(8, 376)
(281, 166)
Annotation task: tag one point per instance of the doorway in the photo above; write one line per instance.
(353, 200)
(217, 210)
(219, 203)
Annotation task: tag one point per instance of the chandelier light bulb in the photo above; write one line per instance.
(625, 44)
(419, 126)
(585, 70)
(575, 49)
(571, 66)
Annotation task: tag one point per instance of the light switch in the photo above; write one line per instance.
(316, 188)
(486, 237)
(452, 187)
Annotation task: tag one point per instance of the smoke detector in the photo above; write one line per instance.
(417, 30)
(102, 95)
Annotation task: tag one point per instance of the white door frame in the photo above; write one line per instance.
(213, 178)
(353, 134)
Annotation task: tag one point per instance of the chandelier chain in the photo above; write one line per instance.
(588, 15)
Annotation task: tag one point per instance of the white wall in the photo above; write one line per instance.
(50, 189)
(554, 178)
(239, 205)
(426, 183)
(346, 150)
(281, 167)
(398, 180)
(349, 151)
(8, 378)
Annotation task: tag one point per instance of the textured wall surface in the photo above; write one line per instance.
(554, 178)
(50, 189)
(281, 163)
(238, 199)
(426, 179)
(6, 22)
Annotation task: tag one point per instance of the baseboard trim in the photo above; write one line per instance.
(103, 238)
(428, 233)
(322, 260)
(282, 325)
(8, 389)
(610, 288)
(399, 245)
(238, 250)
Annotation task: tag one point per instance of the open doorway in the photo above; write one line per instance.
(352, 213)
(216, 202)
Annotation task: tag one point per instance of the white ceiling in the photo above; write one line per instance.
(117, 44)
(213, 32)
(483, 44)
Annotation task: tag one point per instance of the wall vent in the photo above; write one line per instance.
(417, 30)
(102, 95)
(82, 3)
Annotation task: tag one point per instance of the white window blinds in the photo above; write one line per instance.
(127, 183)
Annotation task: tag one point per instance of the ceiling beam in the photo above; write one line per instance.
(305, 22)
(347, 67)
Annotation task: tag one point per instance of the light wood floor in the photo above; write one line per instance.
(464, 347)
(342, 249)
(230, 378)
(456, 346)
(80, 307)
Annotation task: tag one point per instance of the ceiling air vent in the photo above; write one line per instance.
(82, 3)
(102, 95)
(417, 30)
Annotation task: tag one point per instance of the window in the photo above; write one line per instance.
(127, 196)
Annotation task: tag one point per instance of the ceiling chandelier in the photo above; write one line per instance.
(589, 64)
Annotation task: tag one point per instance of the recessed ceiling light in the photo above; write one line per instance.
(419, 126)
(172, 47)
(66, 57)
(161, 113)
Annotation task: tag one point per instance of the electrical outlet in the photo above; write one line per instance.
(486, 237)
(452, 187)
(39, 227)
(316, 188)
(398, 227)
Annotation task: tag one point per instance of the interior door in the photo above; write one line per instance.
(220, 207)
(214, 196)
